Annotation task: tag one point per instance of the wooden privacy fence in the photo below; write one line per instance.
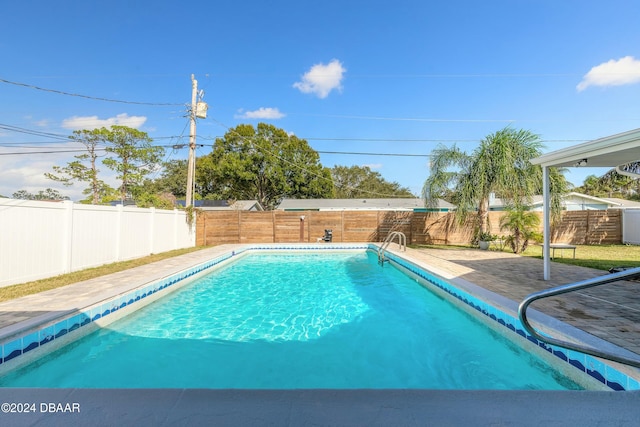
(589, 227)
(220, 227)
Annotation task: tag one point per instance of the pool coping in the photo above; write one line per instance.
(20, 339)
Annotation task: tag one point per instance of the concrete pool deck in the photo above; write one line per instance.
(610, 312)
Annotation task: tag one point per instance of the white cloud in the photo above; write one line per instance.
(93, 122)
(42, 123)
(26, 172)
(612, 73)
(260, 113)
(321, 79)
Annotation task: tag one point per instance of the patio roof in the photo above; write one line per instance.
(612, 151)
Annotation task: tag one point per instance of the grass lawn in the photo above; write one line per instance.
(22, 289)
(601, 257)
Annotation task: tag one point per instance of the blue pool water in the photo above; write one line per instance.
(283, 321)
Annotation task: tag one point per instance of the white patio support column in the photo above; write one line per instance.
(546, 252)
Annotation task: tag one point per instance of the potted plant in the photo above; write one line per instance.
(484, 240)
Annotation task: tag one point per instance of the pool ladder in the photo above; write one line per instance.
(632, 273)
(402, 242)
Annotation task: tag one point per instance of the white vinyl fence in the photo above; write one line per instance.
(631, 226)
(45, 239)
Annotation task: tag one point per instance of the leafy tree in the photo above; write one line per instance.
(132, 156)
(263, 163)
(48, 194)
(205, 185)
(173, 179)
(23, 195)
(105, 194)
(523, 225)
(360, 181)
(500, 165)
(611, 184)
(84, 168)
(161, 201)
(590, 186)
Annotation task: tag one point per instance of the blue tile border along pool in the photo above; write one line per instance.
(597, 369)
(18, 346)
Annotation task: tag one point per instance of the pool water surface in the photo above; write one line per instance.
(286, 321)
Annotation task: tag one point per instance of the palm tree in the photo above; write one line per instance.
(591, 186)
(523, 225)
(501, 166)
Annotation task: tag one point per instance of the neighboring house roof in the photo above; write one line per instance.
(408, 204)
(572, 201)
(224, 205)
(623, 203)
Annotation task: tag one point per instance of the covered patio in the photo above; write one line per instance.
(618, 151)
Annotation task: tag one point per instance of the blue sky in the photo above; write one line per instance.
(348, 76)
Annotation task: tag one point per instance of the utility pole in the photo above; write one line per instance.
(191, 164)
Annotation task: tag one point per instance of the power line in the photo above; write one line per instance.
(95, 98)
(21, 145)
(182, 145)
(406, 76)
(464, 76)
(179, 146)
(374, 154)
(48, 152)
(408, 119)
(213, 138)
(33, 132)
(398, 139)
(391, 140)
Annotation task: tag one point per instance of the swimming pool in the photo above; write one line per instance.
(292, 344)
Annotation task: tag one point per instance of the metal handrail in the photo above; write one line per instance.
(559, 290)
(402, 242)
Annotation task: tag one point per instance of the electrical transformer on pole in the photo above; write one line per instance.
(198, 110)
